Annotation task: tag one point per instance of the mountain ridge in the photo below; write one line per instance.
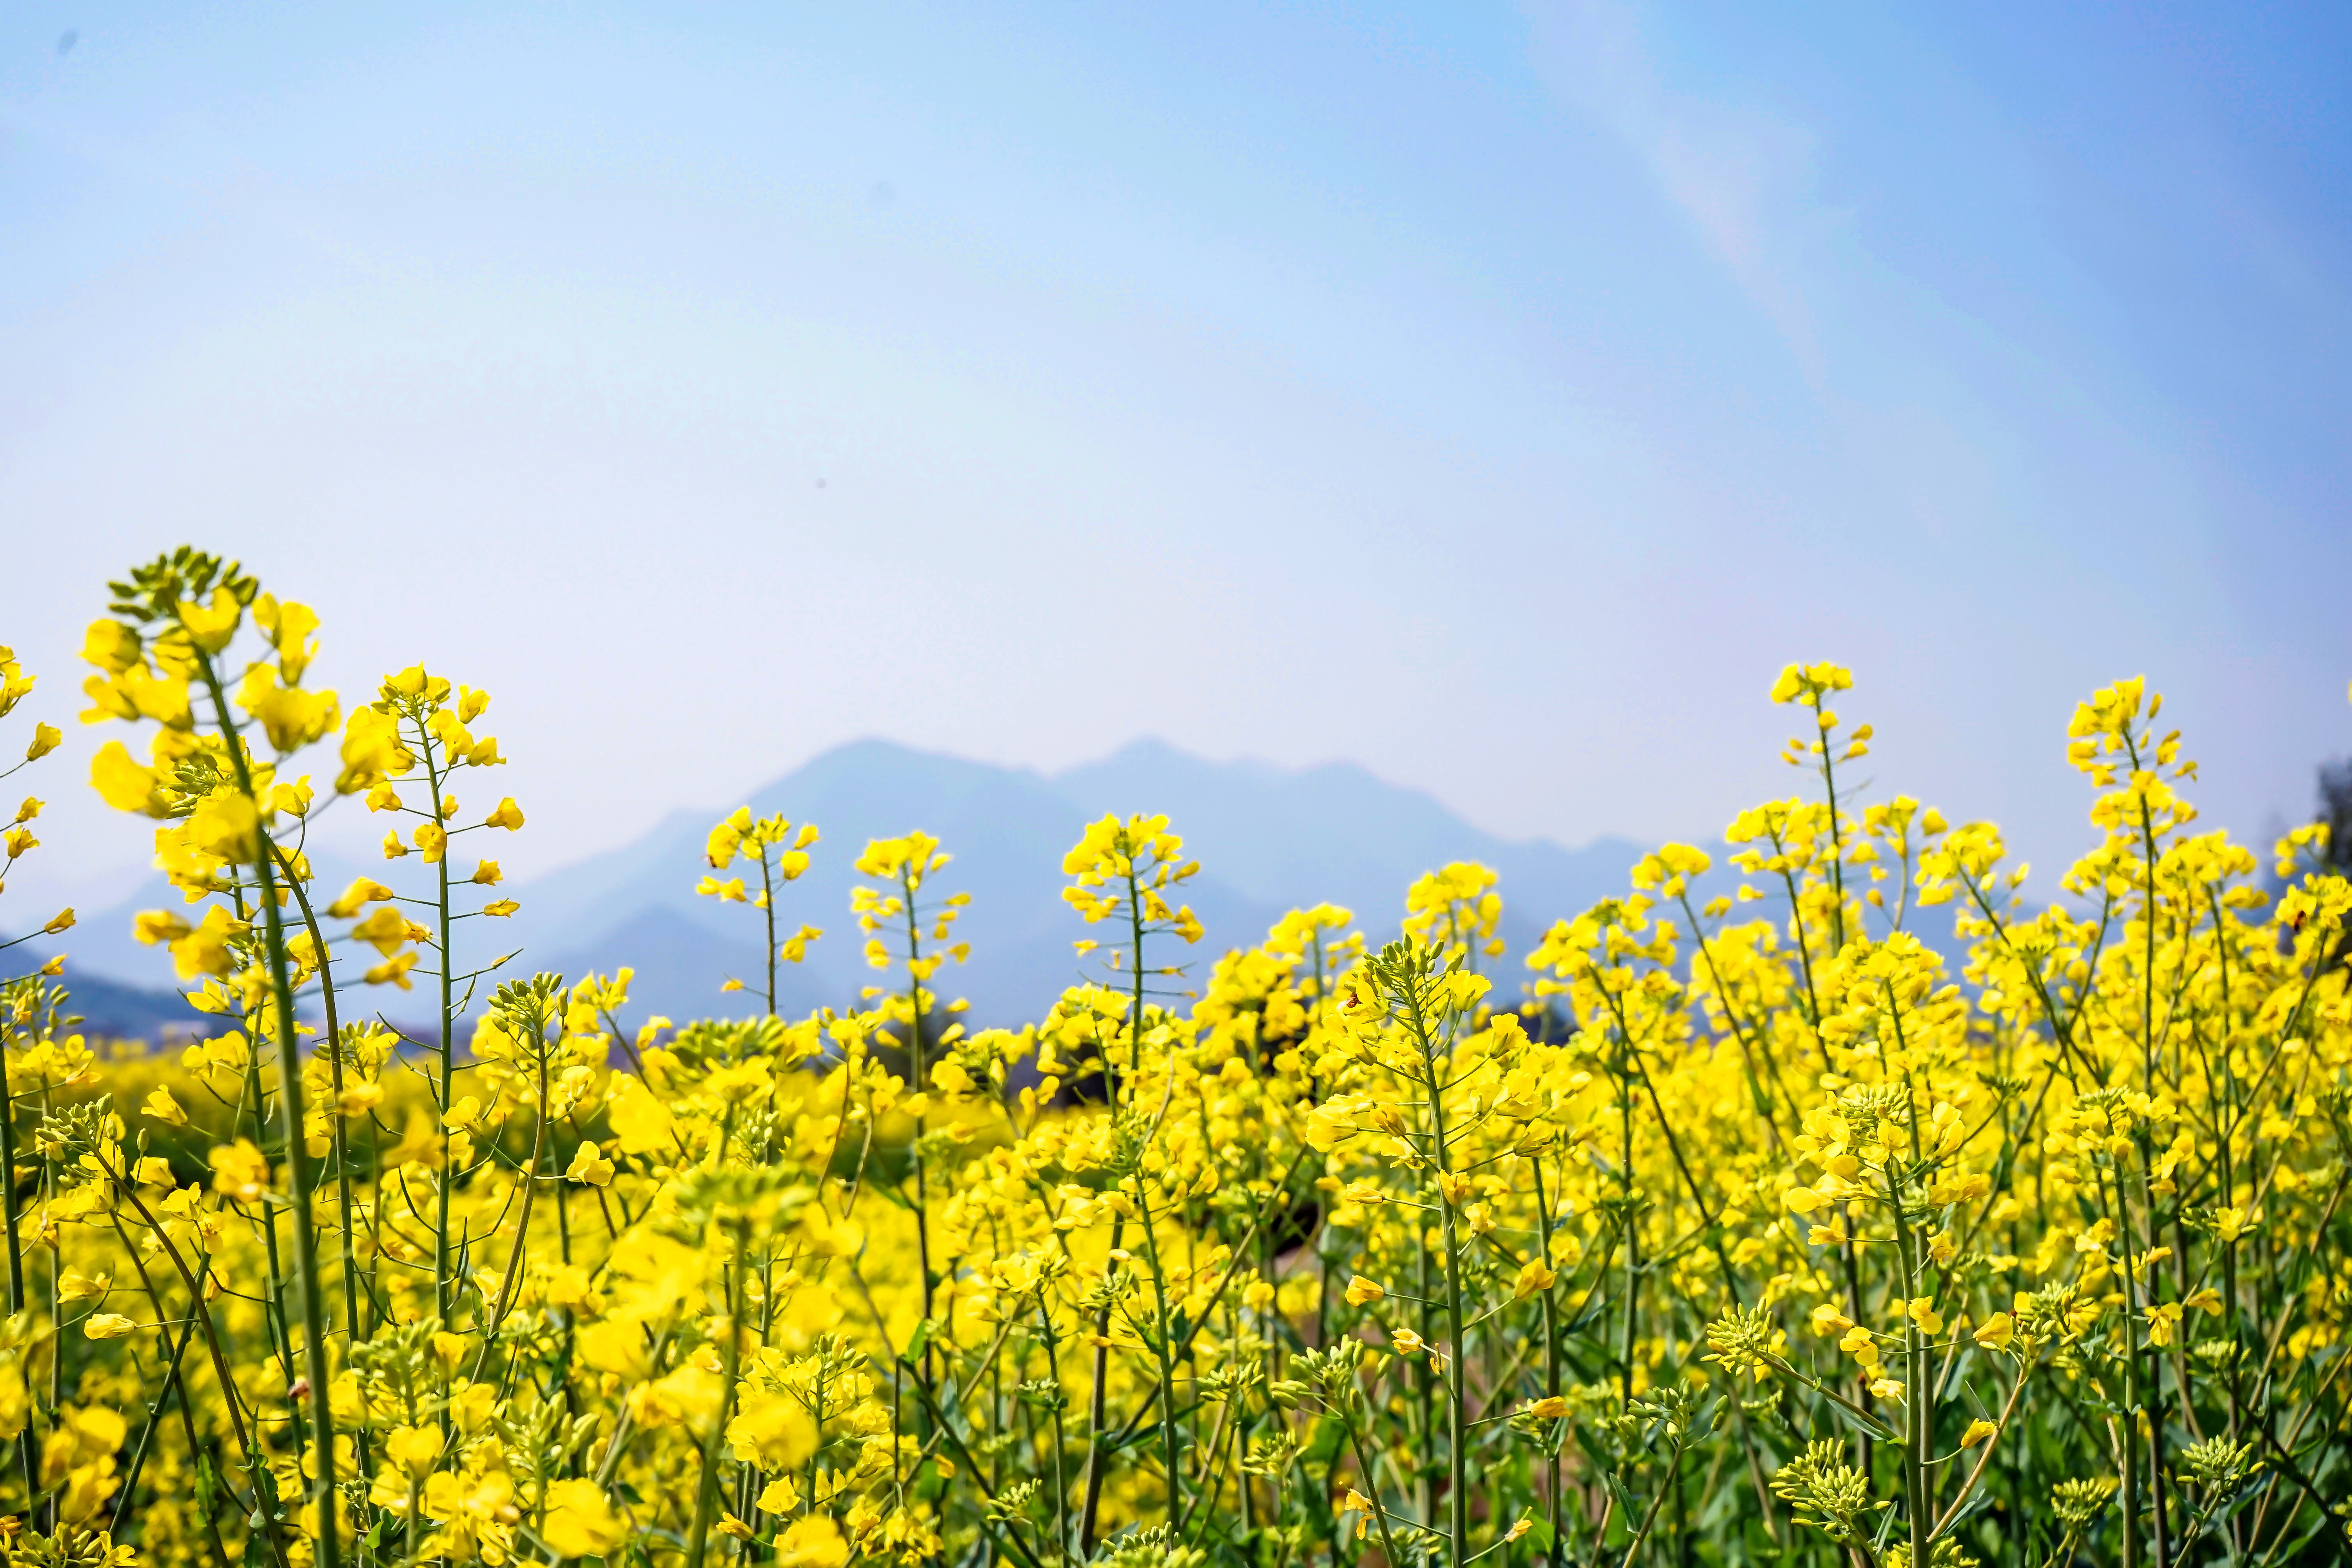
(1269, 838)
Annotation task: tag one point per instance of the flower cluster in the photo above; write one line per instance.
(1819, 1197)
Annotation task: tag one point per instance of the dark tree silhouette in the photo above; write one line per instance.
(2336, 810)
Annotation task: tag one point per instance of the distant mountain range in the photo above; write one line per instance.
(1268, 839)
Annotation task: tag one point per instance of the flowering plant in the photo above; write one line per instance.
(1752, 1227)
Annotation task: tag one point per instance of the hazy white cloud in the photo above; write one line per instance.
(1744, 178)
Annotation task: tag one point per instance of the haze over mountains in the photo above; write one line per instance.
(1267, 839)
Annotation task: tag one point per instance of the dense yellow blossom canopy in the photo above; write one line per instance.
(1829, 1197)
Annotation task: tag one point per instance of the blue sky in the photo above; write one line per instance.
(1495, 395)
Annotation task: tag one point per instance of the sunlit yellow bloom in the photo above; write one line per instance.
(591, 1167)
(240, 1171)
(812, 1541)
(73, 1285)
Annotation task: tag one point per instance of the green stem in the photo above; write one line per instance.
(298, 1153)
(1650, 1518)
(17, 1301)
(1458, 1478)
(768, 908)
(706, 1497)
(445, 1096)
